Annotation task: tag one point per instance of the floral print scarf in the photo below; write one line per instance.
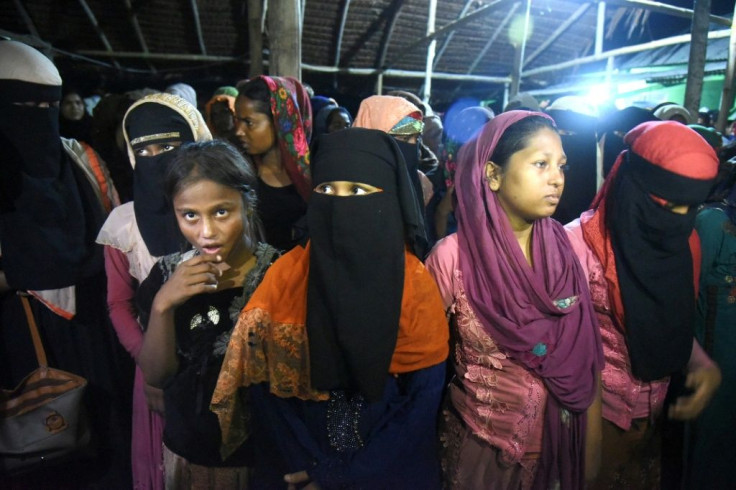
(292, 131)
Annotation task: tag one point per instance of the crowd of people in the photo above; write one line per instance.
(265, 291)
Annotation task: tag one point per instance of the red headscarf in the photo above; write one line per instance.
(643, 247)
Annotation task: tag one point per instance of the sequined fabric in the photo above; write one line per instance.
(343, 418)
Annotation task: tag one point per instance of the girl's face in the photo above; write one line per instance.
(254, 129)
(211, 217)
(72, 107)
(530, 186)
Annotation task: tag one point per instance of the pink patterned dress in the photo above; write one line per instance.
(494, 410)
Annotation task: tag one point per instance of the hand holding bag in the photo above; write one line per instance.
(42, 420)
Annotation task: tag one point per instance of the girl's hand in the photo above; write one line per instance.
(300, 480)
(704, 382)
(154, 398)
(195, 276)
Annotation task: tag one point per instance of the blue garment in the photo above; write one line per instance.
(398, 434)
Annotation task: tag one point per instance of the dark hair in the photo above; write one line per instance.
(220, 162)
(516, 137)
(257, 90)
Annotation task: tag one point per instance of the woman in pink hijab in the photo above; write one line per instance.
(402, 120)
(528, 352)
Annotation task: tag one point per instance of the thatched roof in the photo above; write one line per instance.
(206, 41)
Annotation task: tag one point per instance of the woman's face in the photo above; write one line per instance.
(222, 118)
(337, 121)
(72, 107)
(530, 186)
(211, 217)
(254, 129)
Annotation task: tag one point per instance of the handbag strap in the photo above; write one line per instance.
(37, 345)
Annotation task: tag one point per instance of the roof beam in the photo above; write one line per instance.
(26, 18)
(487, 9)
(431, 19)
(393, 10)
(341, 30)
(681, 39)
(404, 74)
(369, 31)
(449, 37)
(198, 26)
(96, 25)
(137, 29)
(663, 8)
(558, 32)
(493, 37)
(158, 56)
(305, 66)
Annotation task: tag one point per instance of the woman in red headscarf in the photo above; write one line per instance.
(634, 245)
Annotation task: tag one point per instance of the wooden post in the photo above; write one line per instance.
(285, 38)
(519, 55)
(728, 81)
(430, 51)
(696, 62)
(600, 28)
(255, 37)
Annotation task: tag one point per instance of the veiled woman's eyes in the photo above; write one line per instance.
(325, 189)
(344, 188)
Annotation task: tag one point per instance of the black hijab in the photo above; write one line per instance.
(356, 273)
(149, 123)
(47, 220)
(654, 263)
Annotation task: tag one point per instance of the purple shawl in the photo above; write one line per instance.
(543, 317)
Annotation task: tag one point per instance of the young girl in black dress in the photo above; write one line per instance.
(190, 301)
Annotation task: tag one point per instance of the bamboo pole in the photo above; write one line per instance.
(519, 58)
(684, 38)
(696, 61)
(430, 51)
(728, 83)
(198, 26)
(255, 37)
(100, 33)
(285, 38)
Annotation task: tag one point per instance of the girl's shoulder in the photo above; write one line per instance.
(266, 255)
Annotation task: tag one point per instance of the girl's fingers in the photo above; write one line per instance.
(205, 278)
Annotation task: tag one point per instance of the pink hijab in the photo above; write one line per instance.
(383, 112)
(542, 316)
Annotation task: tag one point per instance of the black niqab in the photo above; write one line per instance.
(147, 124)
(356, 273)
(45, 221)
(654, 264)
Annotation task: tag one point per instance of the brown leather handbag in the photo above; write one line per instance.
(42, 420)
